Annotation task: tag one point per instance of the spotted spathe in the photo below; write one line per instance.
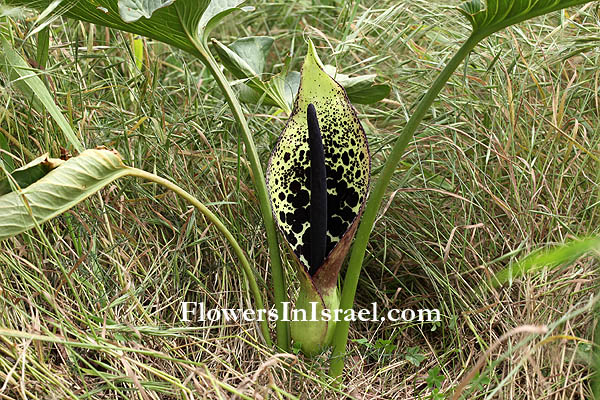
(347, 162)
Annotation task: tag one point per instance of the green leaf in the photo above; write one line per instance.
(215, 12)
(237, 65)
(138, 52)
(249, 95)
(26, 79)
(481, 381)
(132, 10)
(42, 47)
(360, 89)
(185, 24)
(253, 49)
(28, 174)
(385, 346)
(279, 91)
(245, 58)
(499, 14)
(176, 23)
(370, 95)
(363, 341)
(414, 356)
(434, 378)
(287, 87)
(547, 258)
(58, 190)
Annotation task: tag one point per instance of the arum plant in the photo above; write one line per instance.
(47, 187)
(319, 171)
(318, 178)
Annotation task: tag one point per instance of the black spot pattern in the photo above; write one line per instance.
(346, 157)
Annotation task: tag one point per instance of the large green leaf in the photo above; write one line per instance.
(180, 23)
(498, 14)
(58, 190)
(245, 59)
(164, 24)
(360, 89)
(26, 79)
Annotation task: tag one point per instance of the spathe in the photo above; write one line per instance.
(320, 102)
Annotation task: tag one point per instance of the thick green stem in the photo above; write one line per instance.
(223, 229)
(277, 273)
(340, 338)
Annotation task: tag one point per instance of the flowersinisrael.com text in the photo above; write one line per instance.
(197, 312)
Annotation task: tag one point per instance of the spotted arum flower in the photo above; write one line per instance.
(318, 178)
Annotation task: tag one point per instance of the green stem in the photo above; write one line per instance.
(223, 229)
(279, 285)
(340, 338)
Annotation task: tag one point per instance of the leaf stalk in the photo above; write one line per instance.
(357, 256)
(277, 273)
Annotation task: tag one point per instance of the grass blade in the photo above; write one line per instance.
(29, 82)
(546, 258)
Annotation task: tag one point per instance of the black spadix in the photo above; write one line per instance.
(318, 192)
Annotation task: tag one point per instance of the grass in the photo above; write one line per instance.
(506, 163)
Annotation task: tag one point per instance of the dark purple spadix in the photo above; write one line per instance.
(318, 192)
